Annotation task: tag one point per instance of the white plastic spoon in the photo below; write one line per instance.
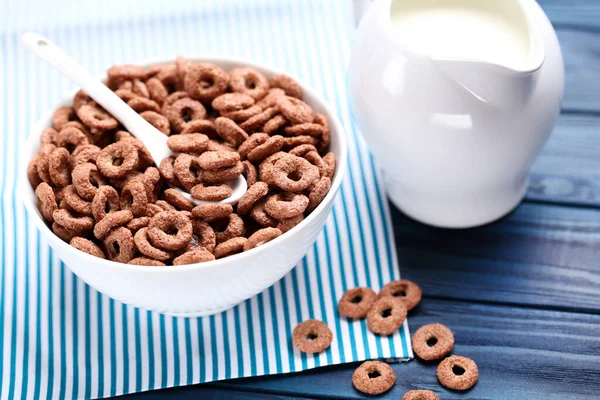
(154, 140)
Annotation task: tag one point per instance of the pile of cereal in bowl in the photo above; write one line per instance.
(98, 189)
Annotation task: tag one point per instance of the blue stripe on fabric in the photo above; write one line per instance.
(87, 347)
(100, 345)
(214, 351)
(63, 331)
(299, 318)
(188, 350)
(151, 360)
(26, 327)
(138, 349)
(75, 336)
(263, 337)
(288, 324)
(251, 338)
(125, 360)
(176, 365)
(275, 325)
(163, 351)
(113, 345)
(226, 349)
(238, 340)
(202, 355)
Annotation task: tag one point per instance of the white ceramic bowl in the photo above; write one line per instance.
(196, 289)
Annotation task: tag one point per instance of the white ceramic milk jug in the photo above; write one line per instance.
(455, 99)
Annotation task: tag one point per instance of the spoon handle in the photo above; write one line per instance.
(152, 138)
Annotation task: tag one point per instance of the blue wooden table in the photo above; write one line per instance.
(522, 295)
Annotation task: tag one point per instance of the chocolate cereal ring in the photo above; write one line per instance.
(87, 180)
(259, 214)
(254, 193)
(261, 237)
(274, 124)
(94, 117)
(140, 104)
(408, 292)
(232, 102)
(432, 342)
(312, 336)
(307, 128)
(194, 257)
(211, 192)
(255, 122)
(303, 149)
(458, 373)
(315, 159)
(110, 221)
(373, 377)
(43, 162)
(119, 245)
(295, 110)
(172, 98)
(251, 143)
(356, 302)
(270, 99)
(221, 175)
(137, 223)
(214, 145)
(242, 115)
(249, 81)
(123, 152)
(149, 262)
(285, 225)
(167, 171)
(271, 146)
(71, 137)
(157, 90)
(105, 202)
(204, 126)
(205, 82)
(175, 198)
(146, 248)
(32, 173)
(250, 173)
(288, 84)
(140, 89)
(212, 212)
(46, 201)
(71, 221)
(188, 143)
(211, 160)
(230, 132)
(326, 135)
(58, 167)
(81, 98)
(182, 111)
(286, 205)
(134, 197)
(187, 170)
(318, 193)
(233, 227)
(161, 225)
(291, 142)
(203, 236)
(330, 160)
(158, 121)
(420, 395)
(117, 74)
(63, 233)
(87, 246)
(84, 154)
(75, 202)
(386, 316)
(48, 136)
(230, 247)
(61, 116)
(294, 174)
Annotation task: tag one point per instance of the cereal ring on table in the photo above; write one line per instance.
(312, 336)
(95, 117)
(149, 262)
(326, 135)
(110, 221)
(221, 175)
(458, 373)
(292, 142)
(117, 74)
(48, 136)
(356, 302)
(254, 193)
(188, 143)
(386, 316)
(230, 247)
(105, 201)
(373, 377)
(157, 90)
(146, 248)
(77, 223)
(63, 233)
(46, 201)
(270, 99)
(407, 291)
(294, 174)
(80, 99)
(204, 126)
(318, 193)
(261, 237)
(259, 214)
(250, 173)
(286, 205)
(212, 212)
(119, 245)
(87, 180)
(232, 102)
(308, 128)
(251, 143)
(134, 197)
(432, 342)
(194, 257)
(167, 171)
(77, 203)
(203, 236)
(274, 124)
(420, 395)
(140, 89)
(158, 121)
(249, 81)
(211, 160)
(140, 104)
(71, 137)
(285, 225)
(254, 123)
(84, 154)
(61, 116)
(211, 193)
(58, 167)
(205, 82)
(288, 84)
(296, 111)
(242, 115)
(32, 172)
(87, 246)
(266, 149)
(183, 111)
(162, 224)
(230, 132)
(187, 170)
(108, 158)
(303, 149)
(175, 198)
(137, 223)
(233, 227)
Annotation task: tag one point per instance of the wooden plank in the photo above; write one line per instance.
(539, 255)
(521, 354)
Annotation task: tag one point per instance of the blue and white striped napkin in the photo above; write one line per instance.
(60, 338)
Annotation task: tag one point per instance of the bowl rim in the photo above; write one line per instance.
(341, 164)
